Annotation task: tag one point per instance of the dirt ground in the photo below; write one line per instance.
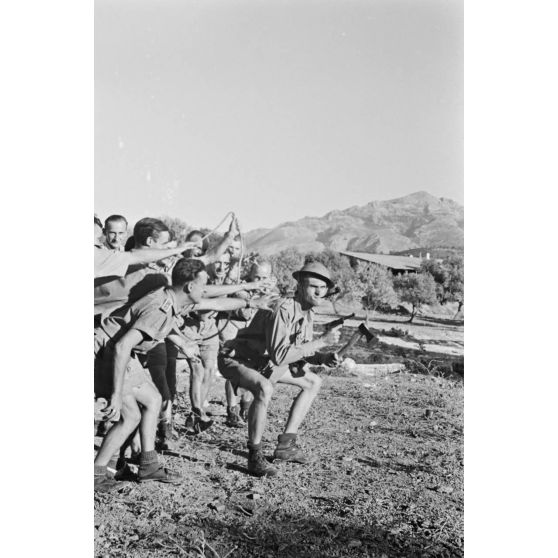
(386, 480)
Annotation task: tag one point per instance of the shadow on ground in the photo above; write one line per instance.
(283, 536)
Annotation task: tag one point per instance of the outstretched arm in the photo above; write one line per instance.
(110, 263)
(212, 291)
(145, 256)
(230, 304)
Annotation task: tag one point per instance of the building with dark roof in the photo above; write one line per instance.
(396, 264)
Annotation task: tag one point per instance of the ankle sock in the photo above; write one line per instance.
(285, 439)
(254, 447)
(148, 457)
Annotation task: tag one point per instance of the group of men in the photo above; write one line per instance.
(157, 302)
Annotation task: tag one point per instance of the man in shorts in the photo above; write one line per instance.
(121, 343)
(200, 327)
(270, 351)
(120, 377)
(229, 325)
(112, 294)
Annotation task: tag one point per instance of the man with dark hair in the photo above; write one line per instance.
(116, 232)
(112, 264)
(200, 243)
(121, 343)
(201, 250)
(269, 351)
(151, 233)
(148, 234)
(229, 325)
(200, 328)
(148, 258)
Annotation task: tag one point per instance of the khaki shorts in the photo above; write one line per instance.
(135, 375)
(235, 370)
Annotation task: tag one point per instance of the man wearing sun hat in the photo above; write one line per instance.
(264, 353)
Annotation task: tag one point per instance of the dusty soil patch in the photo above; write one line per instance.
(387, 481)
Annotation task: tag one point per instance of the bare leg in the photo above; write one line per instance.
(208, 354)
(310, 385)
(132, 442)
(150, 399)
(197, 372)
(232, 399)
(208, 379)
(257, 414)
(135, 446)
(246, 397)
(166, 411)
(130, 417)
(262, 390)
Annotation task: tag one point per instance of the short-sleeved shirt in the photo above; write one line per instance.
(156, 315)
(229, 323)
(110, 262)
(201, 326)
(282, 335)
(113, 292)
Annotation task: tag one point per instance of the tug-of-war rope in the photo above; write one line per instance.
(236, 282)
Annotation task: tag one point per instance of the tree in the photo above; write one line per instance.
(284, 263)
(439, 274)
(455, 281)
(372, 286)
(178, 228)
(379, 289)
(448, 276)
(416, 289)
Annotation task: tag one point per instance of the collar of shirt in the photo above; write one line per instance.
(299, 313)
(109, 247)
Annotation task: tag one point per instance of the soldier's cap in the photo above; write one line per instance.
(315, 269)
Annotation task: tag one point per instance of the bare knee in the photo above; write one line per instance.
(263, 391)
(314, 383)
(246, 395)
(157, 400)
(131, 415)
(151, 398)
(197, 372)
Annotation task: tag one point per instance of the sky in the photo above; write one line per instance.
(275, 110)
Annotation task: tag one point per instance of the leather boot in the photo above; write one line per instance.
(287, 449)
(258, 465)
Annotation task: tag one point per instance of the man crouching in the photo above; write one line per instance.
(270, 351)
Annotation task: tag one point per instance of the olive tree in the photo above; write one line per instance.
(416, 289)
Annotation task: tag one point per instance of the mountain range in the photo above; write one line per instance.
(417, 220)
